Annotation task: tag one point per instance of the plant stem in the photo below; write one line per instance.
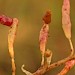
(71, 45)
(46, 67)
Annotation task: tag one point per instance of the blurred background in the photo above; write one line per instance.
(26, 47)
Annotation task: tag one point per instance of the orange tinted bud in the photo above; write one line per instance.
(47, 17)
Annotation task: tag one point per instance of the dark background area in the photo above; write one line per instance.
(26, 47)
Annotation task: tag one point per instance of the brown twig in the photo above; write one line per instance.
(46, 68)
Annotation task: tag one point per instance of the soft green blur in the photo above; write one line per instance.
(26, 47)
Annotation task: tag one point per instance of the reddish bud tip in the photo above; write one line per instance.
(47, 17)
(47, 53)
(6, 20)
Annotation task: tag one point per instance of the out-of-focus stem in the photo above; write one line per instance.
(11, 38)
(11, 52)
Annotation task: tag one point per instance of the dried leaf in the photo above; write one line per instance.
(66, 23)
(43, 37)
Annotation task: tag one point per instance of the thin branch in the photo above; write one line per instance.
(46, 68)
